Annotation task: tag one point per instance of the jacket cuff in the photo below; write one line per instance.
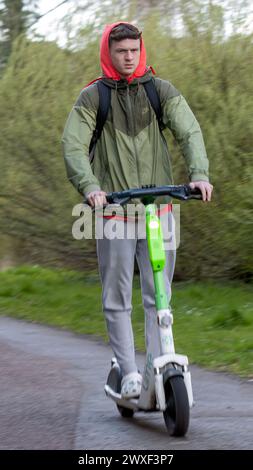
(90, 187)
(199, 177)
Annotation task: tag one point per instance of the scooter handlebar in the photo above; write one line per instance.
(181, 192)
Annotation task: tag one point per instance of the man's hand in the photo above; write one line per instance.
(96, 198)
(205, 188)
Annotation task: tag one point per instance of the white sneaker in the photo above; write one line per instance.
(131, 385)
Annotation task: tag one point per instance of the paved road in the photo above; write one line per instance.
(51, 389)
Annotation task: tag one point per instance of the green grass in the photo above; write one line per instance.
(213, 322)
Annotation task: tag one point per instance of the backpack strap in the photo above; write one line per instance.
(104, 102)
(155, 102)
(104, 93)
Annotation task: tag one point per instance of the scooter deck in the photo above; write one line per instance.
(132, 403)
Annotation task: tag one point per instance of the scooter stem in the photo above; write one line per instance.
(161, 298)
(156, 255)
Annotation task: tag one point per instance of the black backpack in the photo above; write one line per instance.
(104, 102)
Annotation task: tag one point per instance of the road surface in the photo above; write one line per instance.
(52, 397)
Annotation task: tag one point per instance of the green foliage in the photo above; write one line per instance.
(230, 319)
(217, 317)
(40, 86)
(215, 79)
(37, 92)
(15, 16)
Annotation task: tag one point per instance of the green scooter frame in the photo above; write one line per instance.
(166, 384)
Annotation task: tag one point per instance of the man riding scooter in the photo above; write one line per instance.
(130, 153)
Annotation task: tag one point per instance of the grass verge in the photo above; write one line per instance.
(213, 322)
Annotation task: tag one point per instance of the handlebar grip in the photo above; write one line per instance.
(193, 193)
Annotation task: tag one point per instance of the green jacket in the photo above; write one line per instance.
(131, 151)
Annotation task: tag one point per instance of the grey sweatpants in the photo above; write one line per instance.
(116, 266)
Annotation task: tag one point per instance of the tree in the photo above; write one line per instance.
(40, 85)
(15, 17)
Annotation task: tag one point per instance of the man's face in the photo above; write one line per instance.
(125, 56)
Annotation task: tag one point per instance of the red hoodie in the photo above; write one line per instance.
(106, 62)
(110, 72)
(105, 59)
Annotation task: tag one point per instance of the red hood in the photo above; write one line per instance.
(105, 59)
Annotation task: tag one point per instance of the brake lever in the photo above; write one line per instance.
(118, 201)
(180, 193)
(193, 193)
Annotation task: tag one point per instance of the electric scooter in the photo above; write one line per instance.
(166, 384)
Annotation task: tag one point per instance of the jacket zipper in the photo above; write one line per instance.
(135, 149)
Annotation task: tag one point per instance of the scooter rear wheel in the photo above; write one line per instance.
(114, 380)
(177, 412)
(125, 412)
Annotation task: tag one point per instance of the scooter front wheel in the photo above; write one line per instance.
(177, 412)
